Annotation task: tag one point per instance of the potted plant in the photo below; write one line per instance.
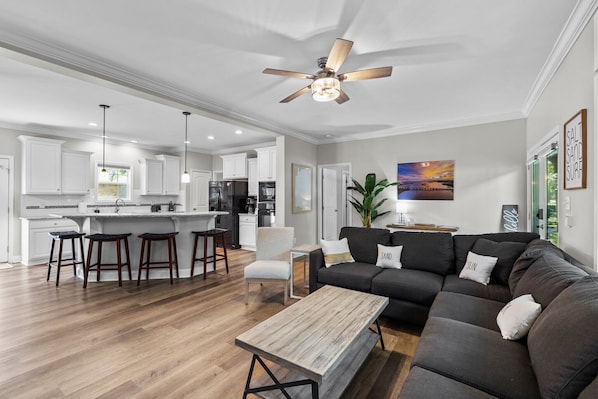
(367, 207)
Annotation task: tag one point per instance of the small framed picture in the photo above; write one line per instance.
(575, 150)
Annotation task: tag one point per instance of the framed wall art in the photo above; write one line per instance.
(575, 143)
(430, 180)
(301, 188)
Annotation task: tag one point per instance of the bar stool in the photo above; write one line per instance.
(118, 239)
(146, 240)
(61, 236)
(217, 235)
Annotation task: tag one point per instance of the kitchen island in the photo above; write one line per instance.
(139, 223)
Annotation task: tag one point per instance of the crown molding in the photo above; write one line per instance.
(582, 14)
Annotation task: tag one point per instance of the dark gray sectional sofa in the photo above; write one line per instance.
(461, 352)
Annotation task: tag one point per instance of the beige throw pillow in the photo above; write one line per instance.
(336, 252)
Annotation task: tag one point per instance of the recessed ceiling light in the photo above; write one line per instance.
(94, 124)
(134, 141)
(210, 137)
(329, 136)
(238, 131)
(186, 142)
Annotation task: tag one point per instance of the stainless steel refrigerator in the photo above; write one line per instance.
(231, 197)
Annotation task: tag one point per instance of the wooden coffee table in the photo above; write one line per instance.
(316, 345)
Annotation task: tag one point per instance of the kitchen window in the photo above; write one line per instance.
(117, 185)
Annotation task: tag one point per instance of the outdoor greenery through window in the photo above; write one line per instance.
(117, 185)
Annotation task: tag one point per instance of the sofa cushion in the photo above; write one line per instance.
(356, 276)
(422, 383)
(477, 357)
(363, 242)
(464, 243)
(532, 251)
(466, 308)
(495, 292)
(563, 342)
(507, 253)
(432, 252)
(546, 278)
(412, 285)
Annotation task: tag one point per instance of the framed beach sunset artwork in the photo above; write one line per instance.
(429, 180)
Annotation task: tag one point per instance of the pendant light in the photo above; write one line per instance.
(103, 177)
(185, 178)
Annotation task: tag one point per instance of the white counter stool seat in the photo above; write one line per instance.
(100, 239)
(272, 259)
(145, 257)
(60, 236)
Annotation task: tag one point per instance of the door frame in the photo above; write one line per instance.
(11, 203)
(345, 170)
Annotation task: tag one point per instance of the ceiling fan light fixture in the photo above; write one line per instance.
(325, 89)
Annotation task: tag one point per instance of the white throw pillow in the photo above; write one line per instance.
(516, 318)
(336, 252)
(478, 268)
(389, 256)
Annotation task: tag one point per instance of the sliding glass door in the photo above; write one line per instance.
(543, 177)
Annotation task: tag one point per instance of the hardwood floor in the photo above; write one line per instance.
(155, 340)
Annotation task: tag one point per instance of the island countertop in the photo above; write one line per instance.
(138, 223)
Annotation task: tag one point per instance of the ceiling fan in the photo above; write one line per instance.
(326, 85)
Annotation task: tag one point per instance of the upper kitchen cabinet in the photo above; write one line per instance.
(75, 172)
(234, 166)
(152, 176)
(41, 165)
(171, 177)
(252, 177)
(266, 163)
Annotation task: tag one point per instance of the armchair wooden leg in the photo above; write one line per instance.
(286, 292)
(246, 292)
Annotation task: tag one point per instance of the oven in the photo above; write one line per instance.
(267, 191)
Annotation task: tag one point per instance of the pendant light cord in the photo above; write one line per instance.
(186, 140)
(104, 138)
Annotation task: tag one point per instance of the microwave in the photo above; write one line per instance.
(266, 191)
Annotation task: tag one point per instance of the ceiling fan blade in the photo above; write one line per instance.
(365, 74)
(296, 94)
(291, 74)
(338, 54)
(342, 97)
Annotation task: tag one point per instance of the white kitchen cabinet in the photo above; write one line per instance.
(247, 231)
(234, 166)
(171, 176)
(266, 163)
(41, 165)
(252, 177)
(75, 172)
(151, 176)
(35, 241)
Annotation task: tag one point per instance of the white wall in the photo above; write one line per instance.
(571, 89)
(489, 171)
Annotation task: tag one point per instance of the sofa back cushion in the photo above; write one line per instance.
(464, 243)
(363, 242)
(563, 342)
(507, 253)
(533, 251)
(547, 277)
(431, 252)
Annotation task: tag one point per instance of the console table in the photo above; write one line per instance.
(424, 227)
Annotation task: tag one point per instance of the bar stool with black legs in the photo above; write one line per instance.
(100, 239)
(60, 236)
(217, 235)
(145, 256)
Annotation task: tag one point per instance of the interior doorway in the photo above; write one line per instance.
(200, 196)
(333, 212)
(6, 207)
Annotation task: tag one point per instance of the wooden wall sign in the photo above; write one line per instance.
(575, 151)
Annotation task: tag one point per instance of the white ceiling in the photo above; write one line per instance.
(455, 63)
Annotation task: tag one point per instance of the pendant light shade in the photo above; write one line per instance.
(185, 178)
(103, 176)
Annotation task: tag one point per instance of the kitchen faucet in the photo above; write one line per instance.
(118, 203)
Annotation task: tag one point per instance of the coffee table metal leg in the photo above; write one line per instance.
(379, 332)
(277, 384)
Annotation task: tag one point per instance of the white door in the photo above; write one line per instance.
(329, 204)
(200, 181)
(4, 206)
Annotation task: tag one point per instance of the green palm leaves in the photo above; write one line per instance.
(368, 207)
